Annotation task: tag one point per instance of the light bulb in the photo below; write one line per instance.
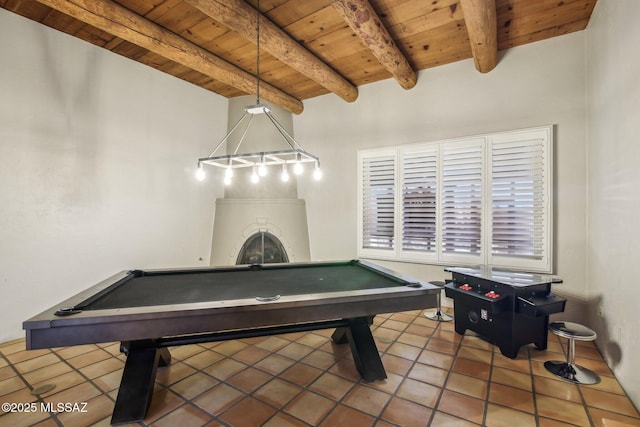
(262, 170)
(254, 176)
(200, 174)
(285, 175)
(227, 180)
(317, 173)
(297, 168)
(228, 173)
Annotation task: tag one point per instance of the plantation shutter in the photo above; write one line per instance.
(419, 195)
(520, 209)
(462, 166)
(378, 176)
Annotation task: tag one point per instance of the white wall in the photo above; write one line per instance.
(97, 155)
(537, 84)
(613, 250)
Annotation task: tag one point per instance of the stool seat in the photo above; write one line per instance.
(572, 330)
(568, 370)
(438, 315)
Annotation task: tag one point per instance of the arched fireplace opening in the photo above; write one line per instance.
(262, 248)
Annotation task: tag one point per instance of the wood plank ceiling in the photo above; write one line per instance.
(307, 47)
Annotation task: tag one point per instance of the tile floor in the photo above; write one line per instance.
(435, 377)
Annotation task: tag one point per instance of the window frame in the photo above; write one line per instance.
(486, 142)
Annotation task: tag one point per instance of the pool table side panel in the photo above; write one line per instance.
(131, 327)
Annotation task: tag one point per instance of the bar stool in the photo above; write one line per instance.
(568, 370)
(438, 315)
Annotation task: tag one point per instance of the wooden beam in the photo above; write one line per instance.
(480, 19)
(119, 21)
(362, 19)
(240, 17)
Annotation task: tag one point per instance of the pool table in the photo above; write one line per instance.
(149, 311)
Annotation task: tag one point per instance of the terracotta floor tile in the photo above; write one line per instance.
(475, 354)
(277, 392)
(419, 392)
(295, 351)
(163, 402)
(229, 348)
(249, 380)
(251, 355)
(512, 378)
(109, 382)
(511, 397)
(11, 385)
(442, 346)
(218, 399)
(320, 359)
(194, 385)
(343, 416)
(89, 358)
(609, 402)
(346, 368)
(273, 343)
(312, 340)
(402, 412)
(224, 369)
(309, 407)
(502, 416)
(331, 386)
(403, 317)
(395, 364)
(34, 363)
(520, 365)
(394, 325)
(102, 367)
(440, 419)
(462, 406)
(385, 335)
(557, 388)
(301, 374)
(423, 331)
(367, 399)
(465, 384)
(476, 342)
(96, 409)
(248, 413)
(185, 416)
(428, 374)
(597, 415)
(388, 385)
(283, 420)
(562, 410)
(203, 359)
(173, 373)
(274, 364)
(76, 350)
(405, 351)
(434, 358)
(48, 372)
(472, 368)
(414, 340)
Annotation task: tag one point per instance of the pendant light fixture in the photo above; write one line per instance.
(260, 162)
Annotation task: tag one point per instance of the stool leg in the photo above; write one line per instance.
(438, 315)
(569, 371)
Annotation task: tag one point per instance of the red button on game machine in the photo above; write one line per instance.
(492, 294)
(466, 287)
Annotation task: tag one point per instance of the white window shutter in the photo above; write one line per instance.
(520, 206)
(462, 200)
(378, 198)
(419, 203)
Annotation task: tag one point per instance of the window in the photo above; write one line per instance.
(480, 200)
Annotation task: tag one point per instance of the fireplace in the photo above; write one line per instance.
(269, 209)
(262, 248)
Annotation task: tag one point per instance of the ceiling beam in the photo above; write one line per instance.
(121, 22)
(240, 17)
(480, 19)
(364, 21)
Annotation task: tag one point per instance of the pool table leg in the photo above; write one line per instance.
(138, 378)
(363, 348)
